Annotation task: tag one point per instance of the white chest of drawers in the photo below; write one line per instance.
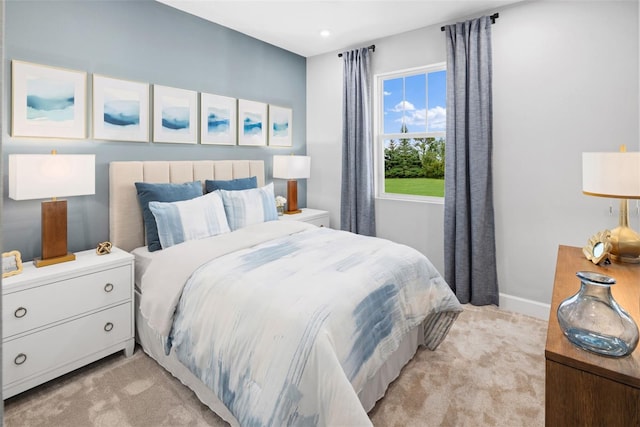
(58, 318)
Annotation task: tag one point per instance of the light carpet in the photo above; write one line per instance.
(489, 371)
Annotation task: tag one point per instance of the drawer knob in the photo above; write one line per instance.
(20, 359)
(108, 287)
(108, 327)
(20, 312)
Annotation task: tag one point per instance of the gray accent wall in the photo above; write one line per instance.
(143, 41)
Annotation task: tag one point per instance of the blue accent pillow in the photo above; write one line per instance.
(191, 219)
(246, 207)
(150, 192)
(231, 185)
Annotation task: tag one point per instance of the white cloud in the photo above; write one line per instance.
(386, 93)
(403, 106)
(437, 117)
(415, 117)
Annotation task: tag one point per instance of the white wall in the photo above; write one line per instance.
(565, 81)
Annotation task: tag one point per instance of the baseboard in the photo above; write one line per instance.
(524, 306)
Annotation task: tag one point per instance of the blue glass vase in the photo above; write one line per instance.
(593, 320)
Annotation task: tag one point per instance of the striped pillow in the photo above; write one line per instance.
(246, 207)
(190, 219)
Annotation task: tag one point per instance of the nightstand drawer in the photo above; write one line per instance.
(317, 217)
(44, 350)
(56, 301)
(319, 222)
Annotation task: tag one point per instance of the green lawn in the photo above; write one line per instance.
(415, 186)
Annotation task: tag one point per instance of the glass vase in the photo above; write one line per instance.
(593, 320)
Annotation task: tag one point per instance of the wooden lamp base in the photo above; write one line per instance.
(54, 234)
(292, 197)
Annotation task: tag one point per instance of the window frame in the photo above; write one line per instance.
(379, 136)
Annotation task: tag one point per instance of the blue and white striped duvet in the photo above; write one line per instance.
(288, 331)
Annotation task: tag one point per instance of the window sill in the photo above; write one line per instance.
(412, 199)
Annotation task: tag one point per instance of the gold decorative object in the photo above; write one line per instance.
(616, 175)
(104, 248)
(598, 247)
(11, 263)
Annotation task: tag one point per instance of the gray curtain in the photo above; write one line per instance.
(357, 211)
(469, 232)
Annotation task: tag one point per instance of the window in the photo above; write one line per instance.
(410, 133)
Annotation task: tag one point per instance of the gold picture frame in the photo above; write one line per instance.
(598, 247)
(11, 263)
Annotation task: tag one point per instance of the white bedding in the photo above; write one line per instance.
(307, 348)
(167, 273)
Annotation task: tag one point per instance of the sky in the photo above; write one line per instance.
(411, 104)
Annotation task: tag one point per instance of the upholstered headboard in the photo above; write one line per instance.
(126, 228)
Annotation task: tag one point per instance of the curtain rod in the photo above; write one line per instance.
(492, 17)
(372, 47)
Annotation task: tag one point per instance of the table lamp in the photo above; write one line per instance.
(616, 175)
(292, 168)
(40, 176)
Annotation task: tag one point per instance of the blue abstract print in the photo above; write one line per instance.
(50, 100)
(252, 124)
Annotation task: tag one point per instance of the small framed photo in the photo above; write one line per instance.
(175, 115)
(252, 121)
(218, 119)
(280, 126)
(120, 109)
(47, 102)
(11, 263)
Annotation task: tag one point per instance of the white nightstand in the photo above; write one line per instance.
(312, 216)
(58, 318)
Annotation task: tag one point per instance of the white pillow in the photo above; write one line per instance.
(192, 219)
(246, 207)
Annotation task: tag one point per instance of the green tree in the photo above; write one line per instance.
(390, 157)
(414, 157)
(433, 159)
(408, 158)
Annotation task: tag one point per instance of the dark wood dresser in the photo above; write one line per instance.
(582, 388)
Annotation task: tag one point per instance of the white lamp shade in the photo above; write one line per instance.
(291, 167)
(615, 175)
(41, 176)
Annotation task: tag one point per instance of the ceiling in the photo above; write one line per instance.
(295, 25)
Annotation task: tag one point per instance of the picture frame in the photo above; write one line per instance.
(175, 115)
(47, 102)
(598, 247)
(252, 123)
(11, 263)
(120, 109)
(218, 119)
(280, 126)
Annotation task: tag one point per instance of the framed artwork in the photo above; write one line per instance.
(175, 115)
(252, 121)
(11, 263)
(120, 109)
(47, 102)
(280, 126)
(217, 119)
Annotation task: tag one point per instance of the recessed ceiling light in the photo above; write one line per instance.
(325, 33)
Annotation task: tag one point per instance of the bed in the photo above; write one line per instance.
(273, 322)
